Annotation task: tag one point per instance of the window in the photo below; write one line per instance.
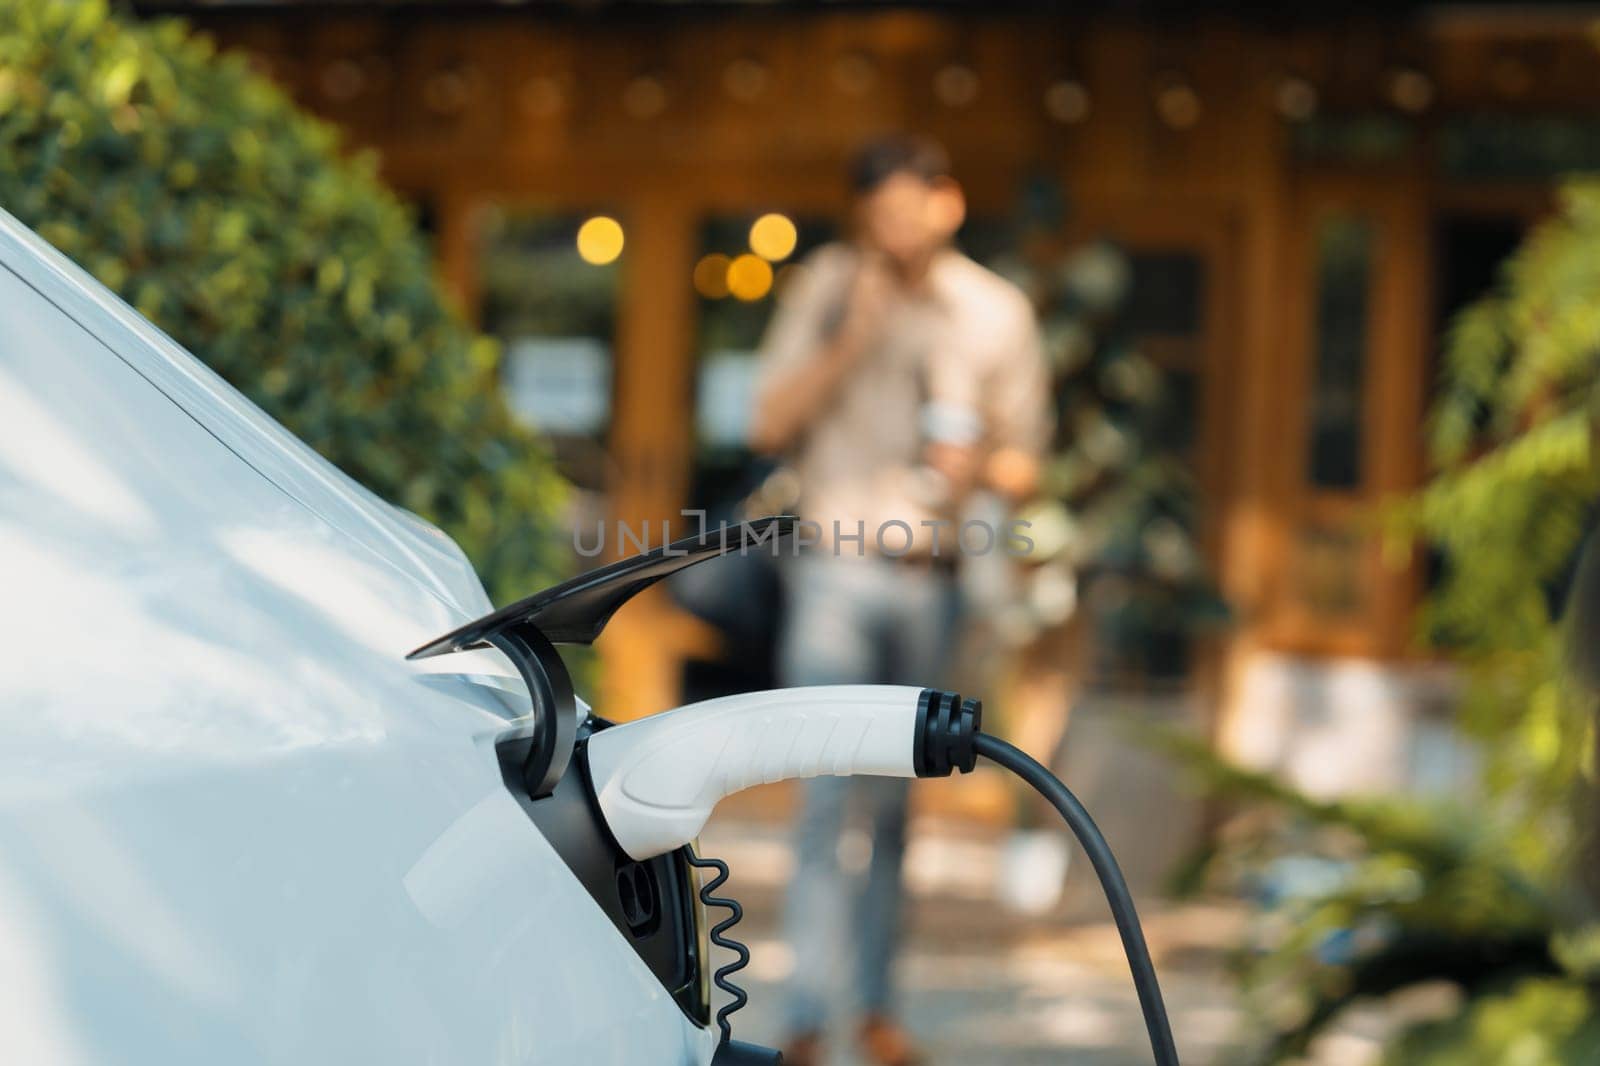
(1343, 264)
(550, 289)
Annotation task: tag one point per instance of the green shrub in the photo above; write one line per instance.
(198, 192)
(1488, 896)
(1536, 1022)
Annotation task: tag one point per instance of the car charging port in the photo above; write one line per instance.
(639, 898)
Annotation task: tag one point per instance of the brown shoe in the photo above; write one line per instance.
(885, 1043)
(803, 1050)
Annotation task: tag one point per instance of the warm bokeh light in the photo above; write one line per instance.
(600, 240)
(749, 277)
(711, 276)
(773, 237)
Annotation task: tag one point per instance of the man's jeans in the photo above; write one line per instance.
(855, 620)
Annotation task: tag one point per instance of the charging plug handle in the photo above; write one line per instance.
(657, 779)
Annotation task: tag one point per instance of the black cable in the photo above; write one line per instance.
(1094, 844)
(719, 937)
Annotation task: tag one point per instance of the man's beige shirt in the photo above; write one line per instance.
(967, 339)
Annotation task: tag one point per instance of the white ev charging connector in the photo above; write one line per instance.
(657, 779)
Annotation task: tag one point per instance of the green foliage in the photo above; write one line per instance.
(1410, 893)
(1512, 433)
(196, 190)
(1484, 898)
(1537, 1022)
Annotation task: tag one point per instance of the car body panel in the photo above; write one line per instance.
(236, 825)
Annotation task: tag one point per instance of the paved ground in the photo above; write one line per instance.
(985, 986)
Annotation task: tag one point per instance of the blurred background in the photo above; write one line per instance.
(1305, 542)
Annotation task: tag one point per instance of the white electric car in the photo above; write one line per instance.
(237, 824)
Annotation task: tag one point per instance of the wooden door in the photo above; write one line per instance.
(1349, 429)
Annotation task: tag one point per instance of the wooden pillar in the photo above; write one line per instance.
(652, 439)
(1399, 358)
(1253, 518)
(456, 246)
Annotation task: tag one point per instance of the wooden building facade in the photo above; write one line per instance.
(1322, 192)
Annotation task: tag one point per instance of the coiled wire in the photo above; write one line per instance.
(719, 937)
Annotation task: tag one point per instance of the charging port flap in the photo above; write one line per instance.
(575, 611)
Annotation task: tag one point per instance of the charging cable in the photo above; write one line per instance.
(1112, 883)
(657, 779)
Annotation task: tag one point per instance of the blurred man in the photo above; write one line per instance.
(898, 377)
